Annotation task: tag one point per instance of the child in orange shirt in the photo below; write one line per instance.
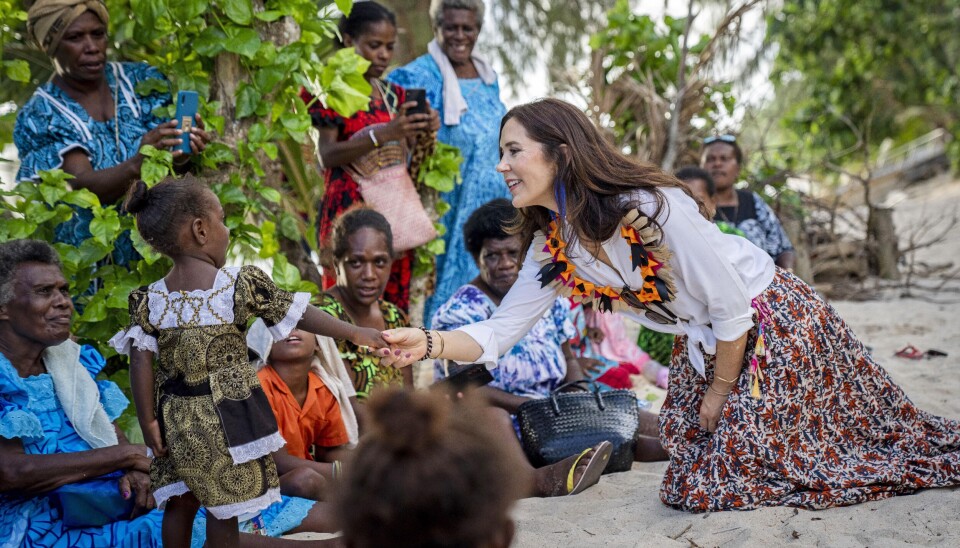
(307, 413)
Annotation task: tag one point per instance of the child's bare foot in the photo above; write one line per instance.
(574, 474)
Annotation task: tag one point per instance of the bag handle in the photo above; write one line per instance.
(582, 384)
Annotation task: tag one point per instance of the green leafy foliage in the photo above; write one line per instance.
(441, 170)
(641, 57)
(866, 70)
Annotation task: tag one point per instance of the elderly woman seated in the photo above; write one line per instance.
(68, 477)
(542, 360)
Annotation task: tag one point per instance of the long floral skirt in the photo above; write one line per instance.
(830, 427)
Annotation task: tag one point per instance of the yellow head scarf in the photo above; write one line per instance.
(48, 19)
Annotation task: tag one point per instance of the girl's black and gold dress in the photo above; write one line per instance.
(214, 417)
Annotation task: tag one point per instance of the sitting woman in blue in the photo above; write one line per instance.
(89, 120)
(542, 360)
(57, 431)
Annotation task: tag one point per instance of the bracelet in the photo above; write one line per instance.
(429, 342)
(721, 379)
(439, 336)
(376, 143)
(717, 392)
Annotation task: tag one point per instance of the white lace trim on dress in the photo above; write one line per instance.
(124, 341)
(256, 448)
(282, 330)
(258, 504)
(167, 492)
(173, 309)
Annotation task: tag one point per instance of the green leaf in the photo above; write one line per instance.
(345, 6)
(268, 235)
(239, 11)
(210, 42)
(82, 198)
(285, 275)
(290, 227)
(242, 41)
(18, 70)
(105, 226)
(269, 15)
(152, 85)
(248, 99)
(270, 194)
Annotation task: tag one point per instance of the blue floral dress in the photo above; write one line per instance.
(52, 124)
(535, 365)
(478, 138)
(30, 412)
(755, 221)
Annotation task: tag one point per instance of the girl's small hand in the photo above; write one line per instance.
(711, 409)
(407, 345)
(369, 337)
(153, 438)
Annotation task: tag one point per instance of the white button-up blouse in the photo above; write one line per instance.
(716, 275)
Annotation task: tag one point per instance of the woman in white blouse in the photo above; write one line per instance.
(772, 399)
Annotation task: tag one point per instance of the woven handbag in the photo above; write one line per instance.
(386, 186)
(566, 423)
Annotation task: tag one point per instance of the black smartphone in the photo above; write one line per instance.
(473, 375)
(420, 96)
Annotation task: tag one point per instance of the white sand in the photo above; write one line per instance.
(625, 509)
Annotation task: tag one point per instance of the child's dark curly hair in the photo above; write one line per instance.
(161, 211)
(429, 473)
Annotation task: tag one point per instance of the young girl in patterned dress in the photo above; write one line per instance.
(772, 400)
(202, 410)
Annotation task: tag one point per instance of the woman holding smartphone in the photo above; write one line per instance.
(371, 30)
(89, 120)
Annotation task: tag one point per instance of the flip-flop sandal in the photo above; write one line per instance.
(934, 353)
(595, 466)
(910, 352)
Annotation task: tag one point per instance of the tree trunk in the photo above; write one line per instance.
(882, 237)
(794, 228)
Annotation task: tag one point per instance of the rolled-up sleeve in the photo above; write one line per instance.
(521, 308)
(705, 259)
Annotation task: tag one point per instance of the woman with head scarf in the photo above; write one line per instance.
(464, 88)
(89, 120)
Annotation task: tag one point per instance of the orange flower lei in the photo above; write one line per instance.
(647, 253)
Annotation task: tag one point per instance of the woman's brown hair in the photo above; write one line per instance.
(592, 176)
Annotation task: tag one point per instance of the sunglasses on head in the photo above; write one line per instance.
(722, 138)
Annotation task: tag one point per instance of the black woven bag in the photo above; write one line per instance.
(566, 423)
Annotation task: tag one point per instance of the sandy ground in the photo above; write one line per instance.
(624, 510)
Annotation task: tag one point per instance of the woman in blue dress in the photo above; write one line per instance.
(57, 429)
(464, 89)
(89, 120)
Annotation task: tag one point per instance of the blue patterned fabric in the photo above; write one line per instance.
(583, 347)
(52, 124)
(30, 411)
(762, 227)
(535, 365)
(478, 138)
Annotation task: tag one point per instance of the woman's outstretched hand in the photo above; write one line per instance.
(407, 345)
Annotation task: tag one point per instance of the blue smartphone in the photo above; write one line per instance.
(187, 104)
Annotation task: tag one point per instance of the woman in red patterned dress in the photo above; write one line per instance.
(371, 30)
